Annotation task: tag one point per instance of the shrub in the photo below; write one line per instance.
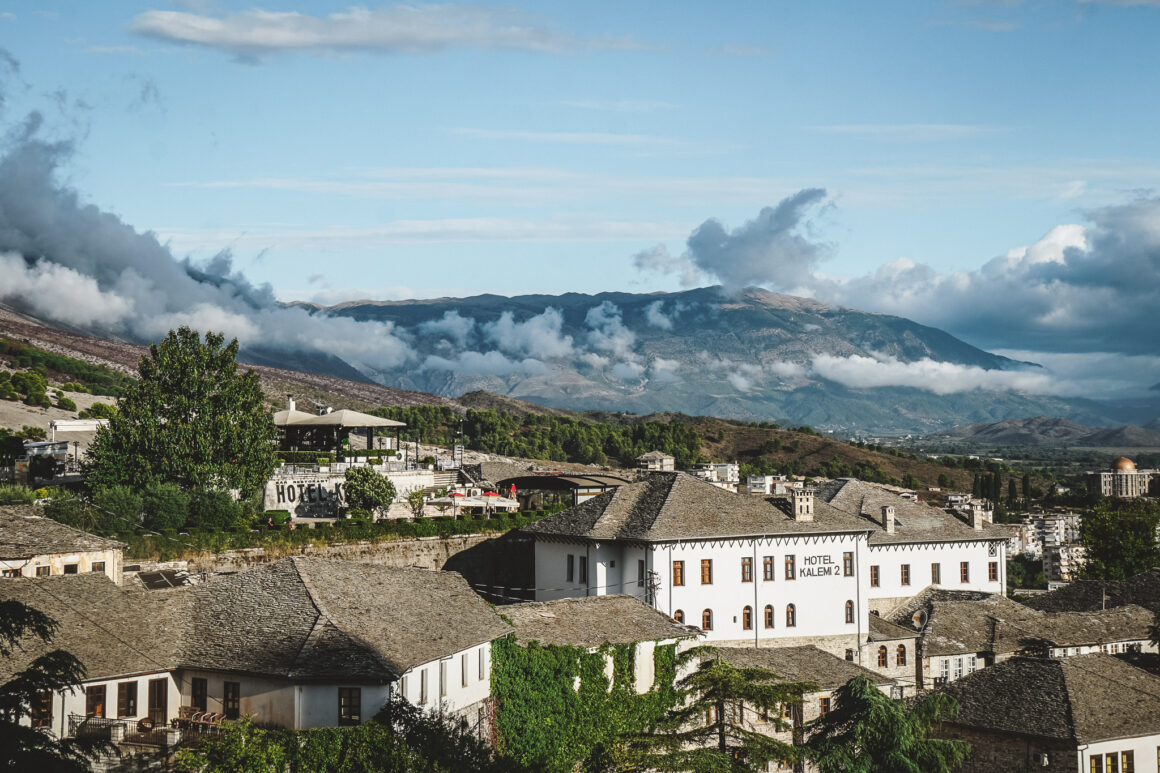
(65, 404)
(213, 510)
(120, 503)
(16, 495)
(166, 506)
(98, 411)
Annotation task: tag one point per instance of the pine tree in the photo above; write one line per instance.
(866, 731)
(709, 731)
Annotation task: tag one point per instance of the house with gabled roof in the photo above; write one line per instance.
(1083, 714)
(298, 643)
(756, 571)
(32, 545)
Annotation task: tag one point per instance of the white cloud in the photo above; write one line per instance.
(655, 316)
(538, 336)
(607, 332)
(454, 327)
(942, 378)
(485, 364)
(627, 371)
(413, 28)
(50, 290)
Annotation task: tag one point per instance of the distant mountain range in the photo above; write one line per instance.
(1044, 431)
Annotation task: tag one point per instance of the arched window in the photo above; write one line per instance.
(900, 655)
(769, 615)
(849, 611)
(679, 615)
(790, 616)
(747, 618)
(882, 656)
(707, 620)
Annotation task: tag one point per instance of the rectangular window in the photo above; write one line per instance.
(232, 699)
(706, 571)
(11, 573)
(678, 572)
(71, 568)
(824, 705)
(41, 709)
(1128, 762)
(1113, 761)
(747, 569)
(570, 572)
(640, 574)
(1097, 763)
(905, 574)
(349, 705)
(848, 564)
(442, 678)
(767, 568)
(935, 573)
(95, 701)
(98, 566)
(945, 669)
(958, 668)
(965, 571)
(127, 699)
(482, 664)
(199, 693)
(993, 571)
(423, 686)
(463, 668)
(43, 571)
(789, 567)
(583, 569)
(874, 577)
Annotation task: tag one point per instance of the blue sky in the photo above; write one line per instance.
(394, 151)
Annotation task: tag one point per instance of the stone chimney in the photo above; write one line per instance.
(977, 518)
(888, 518)
(290, 403)
(803, 504)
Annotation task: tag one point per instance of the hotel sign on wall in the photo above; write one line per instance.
(308, 496)
(819, 566)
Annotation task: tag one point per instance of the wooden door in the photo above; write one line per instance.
(159, 701)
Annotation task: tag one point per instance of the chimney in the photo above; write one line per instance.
(888, 518)
(803, 504)
(977, 518)
(290, 403)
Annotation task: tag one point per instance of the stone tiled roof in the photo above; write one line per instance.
(112, 631)
(884, 630)
(1084, 698)
(1090, 595)
(965, 622)
(313, 618)
(800, 664)
(674, 505)
(25, 532)
(307, 619)
(651, 455)
(913, 521)
(592, 622)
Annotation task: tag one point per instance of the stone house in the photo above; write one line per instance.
(656, 461)
(1083, 714)
(298, 643)
(32, 545)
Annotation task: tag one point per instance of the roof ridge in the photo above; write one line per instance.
(319, 623)
(1069, 715)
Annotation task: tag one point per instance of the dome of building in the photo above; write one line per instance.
(1123, 464)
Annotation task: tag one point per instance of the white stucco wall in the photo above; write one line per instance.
(73, 701)
(1145, 750)
(56, 562)
(468, 680)
(318, 704)
(949, 555)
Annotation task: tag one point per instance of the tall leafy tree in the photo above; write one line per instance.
(191, 419)
(1120, 539)
(712, 729)
(367, 490)
(21, 746)
(866, 731)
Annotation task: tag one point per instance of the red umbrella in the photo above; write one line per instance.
(457, 494)
(490, 494)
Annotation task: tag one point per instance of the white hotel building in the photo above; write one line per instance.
(808, 568)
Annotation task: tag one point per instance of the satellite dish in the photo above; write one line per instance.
(919, 618)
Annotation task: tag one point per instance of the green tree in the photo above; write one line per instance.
(944, 481)
(866, 731)
(1119, 538)
(683, 741)
(122, 504)
(213, 510)
(166, 507)
(190, 419)
(98, 411)
(25, 748)
(416, 502)
(366, 490)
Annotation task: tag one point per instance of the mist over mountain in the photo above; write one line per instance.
(752, 354)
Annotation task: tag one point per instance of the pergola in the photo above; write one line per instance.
(327, 431)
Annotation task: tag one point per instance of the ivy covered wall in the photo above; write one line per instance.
(544, 722)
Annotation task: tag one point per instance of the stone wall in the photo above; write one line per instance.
(994, 751)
